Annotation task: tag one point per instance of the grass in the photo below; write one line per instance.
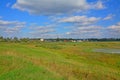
(58, 61)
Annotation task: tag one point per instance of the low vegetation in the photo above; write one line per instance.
(58, 61)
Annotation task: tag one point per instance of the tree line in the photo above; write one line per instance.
(16, 39)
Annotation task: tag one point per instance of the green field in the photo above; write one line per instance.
(58, 61)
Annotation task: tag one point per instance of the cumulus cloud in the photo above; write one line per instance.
(109, 17)
(117, 26)
(114, 30)
(87, 32)
(4, 23)
(81, 20)
(40, 31)
(99, 5)
(11, 27)
(49, 36)
(48, 7)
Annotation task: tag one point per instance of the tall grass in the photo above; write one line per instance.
(58, 61)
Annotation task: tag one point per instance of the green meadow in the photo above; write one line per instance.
(58, 61)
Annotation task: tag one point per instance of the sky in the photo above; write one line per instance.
(60, 18)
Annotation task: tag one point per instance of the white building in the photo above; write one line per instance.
(41, 39)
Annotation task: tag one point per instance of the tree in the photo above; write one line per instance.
(24, 39)
(15, 39)
(1, 38)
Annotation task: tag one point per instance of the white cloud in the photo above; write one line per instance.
(118, 23)
(99, 5)
(109, 17)
(48, 7)
(4, 23)
(48, 36)
(87, 32)
(80, 20)
(115, 27)
(114, 30)
(40, 31)
(10, 28)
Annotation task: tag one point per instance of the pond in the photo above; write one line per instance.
(117, 51)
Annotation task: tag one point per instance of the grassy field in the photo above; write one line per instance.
(58, 61)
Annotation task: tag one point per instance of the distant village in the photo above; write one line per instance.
(15, 39)
(60, 40)
(76, 40)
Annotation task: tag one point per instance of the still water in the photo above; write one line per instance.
(117, 51)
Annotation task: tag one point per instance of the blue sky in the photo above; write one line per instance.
(60, 18)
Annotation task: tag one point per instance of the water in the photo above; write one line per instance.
(117, 51)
